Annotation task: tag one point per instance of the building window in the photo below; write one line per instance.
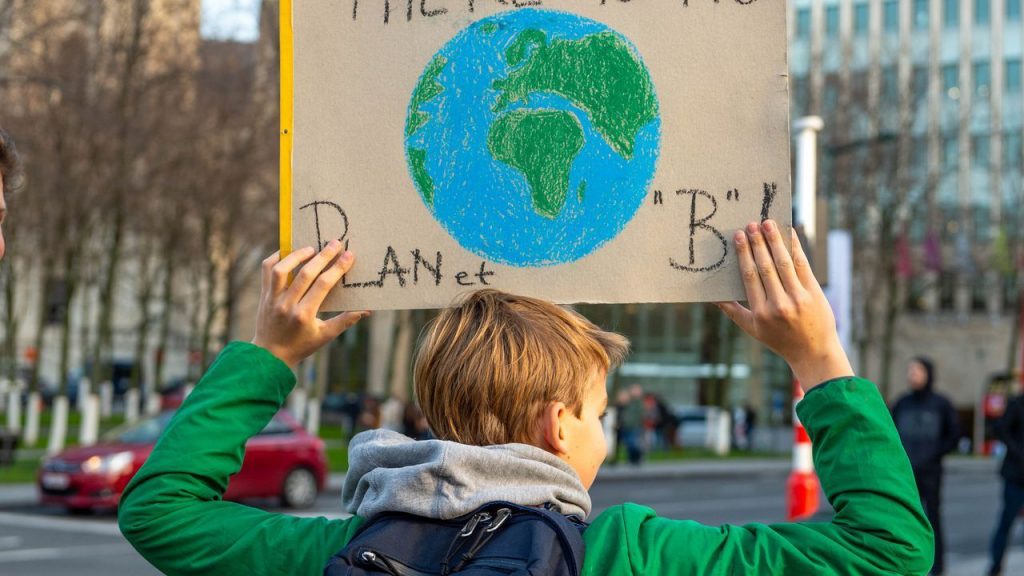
(890, 92)
(803, 23)
(980, 151)
(799, 87)
(919, 154)
(1012, 10)
(861, 18)
(981, 12)
(1012, 76)
(951, 13)
(982, 78)
(950, 152)
(920, 85)
(1011, 151)
(921, 14)
(830, 99)
(951, 80)
(832, 21)
(891, 13)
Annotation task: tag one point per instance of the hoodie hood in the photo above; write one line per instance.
(389, 472)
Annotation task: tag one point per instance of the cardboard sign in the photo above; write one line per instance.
(574, 150)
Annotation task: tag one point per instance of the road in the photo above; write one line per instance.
(38, 541)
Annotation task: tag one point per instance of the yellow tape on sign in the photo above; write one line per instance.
(287, 125)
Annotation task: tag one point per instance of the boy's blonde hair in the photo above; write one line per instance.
(488, 365)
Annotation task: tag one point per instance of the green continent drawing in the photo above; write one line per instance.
(542, 144)
(426, 90)
(598, 73)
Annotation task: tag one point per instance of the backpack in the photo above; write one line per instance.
(497, 539)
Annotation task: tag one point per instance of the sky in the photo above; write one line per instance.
(230, 20)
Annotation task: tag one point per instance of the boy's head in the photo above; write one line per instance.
(498, 368)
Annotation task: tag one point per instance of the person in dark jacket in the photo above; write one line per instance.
(1010, 429)
(927, 424)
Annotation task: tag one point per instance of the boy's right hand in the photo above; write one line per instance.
(788, 310)
(286, 322)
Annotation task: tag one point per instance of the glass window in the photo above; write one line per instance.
(1011, 151)
(1012, 10)
(951, 13)
(803, 23)
(1012, 76)
(890, 92)
(799, 96)
(891, 14)
(832, 21)
(919, 154)
(861, 18)
(980, 151)
(951, 80)
(921, 14)
(950, 151)
(982, 78)
(920, 84)
(830, 95)
(981, 12)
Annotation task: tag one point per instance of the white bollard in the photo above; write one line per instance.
(131, 406)
(59, 425)
(14, 410)
(106, 399)
(313, 416)
(84, 391)
(297, 404)
(31, 434)
(90, 428)
(153, 404)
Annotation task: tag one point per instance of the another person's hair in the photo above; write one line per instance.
(10, 164)
(929, 369)
(487, 366)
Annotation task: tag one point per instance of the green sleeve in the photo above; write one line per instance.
(878, 528)
(172, 511)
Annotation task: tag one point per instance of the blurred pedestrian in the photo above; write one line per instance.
(621, 401)
(633, 425)
(927, 424)
(10, 172)
(1010, 430)
(749, 423)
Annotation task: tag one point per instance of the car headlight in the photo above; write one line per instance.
(109, 464)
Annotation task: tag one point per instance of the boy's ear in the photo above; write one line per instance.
(552, 429)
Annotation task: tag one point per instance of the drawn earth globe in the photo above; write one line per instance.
(532, 136)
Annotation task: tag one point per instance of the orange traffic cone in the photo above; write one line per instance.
(803, 487)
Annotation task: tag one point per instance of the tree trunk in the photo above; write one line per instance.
(70, 288)
(165, 318)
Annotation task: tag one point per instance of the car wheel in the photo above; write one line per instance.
(299, 490)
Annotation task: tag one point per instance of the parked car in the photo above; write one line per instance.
(692, 430)
(282, 461)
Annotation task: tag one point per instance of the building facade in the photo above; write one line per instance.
(921, 155)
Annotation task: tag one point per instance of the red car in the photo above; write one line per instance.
(282, 461)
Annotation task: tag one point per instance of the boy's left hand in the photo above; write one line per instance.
(286, 322)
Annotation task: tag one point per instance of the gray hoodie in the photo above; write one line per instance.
(389, 472)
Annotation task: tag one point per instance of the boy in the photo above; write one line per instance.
(514, 388)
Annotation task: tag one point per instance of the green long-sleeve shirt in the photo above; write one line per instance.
(173, 514)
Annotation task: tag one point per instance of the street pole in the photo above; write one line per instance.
(807, 129)
(803, 486)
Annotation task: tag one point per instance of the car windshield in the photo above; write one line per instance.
(145, 431)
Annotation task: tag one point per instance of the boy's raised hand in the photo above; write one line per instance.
(788, 310)
(286, 322)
